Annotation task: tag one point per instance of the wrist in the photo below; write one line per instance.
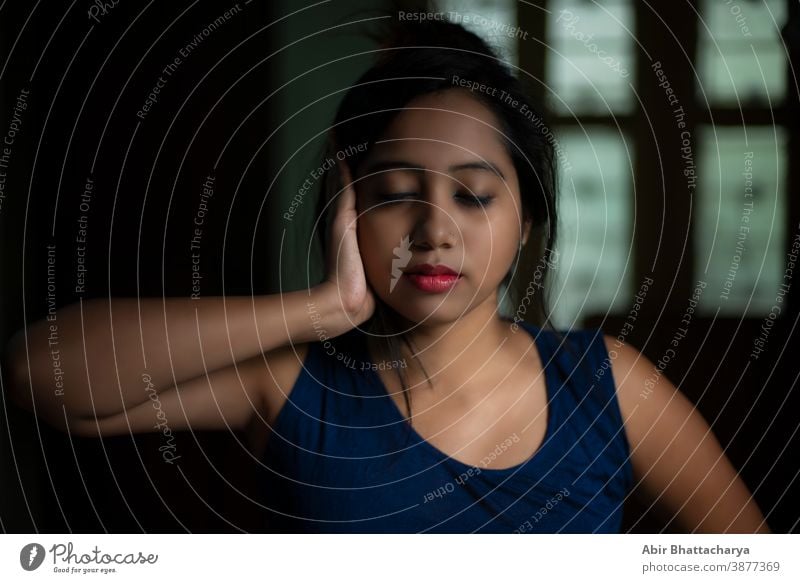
(326, 312)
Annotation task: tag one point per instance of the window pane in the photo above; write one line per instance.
(590, 59)
(740, 52)
(595, 263)
(739, 218)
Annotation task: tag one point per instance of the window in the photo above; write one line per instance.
(594, 244)
(739, 220)
(741, 59)
(739, 223)
(589, 58)
(728, 65)
(589, 69)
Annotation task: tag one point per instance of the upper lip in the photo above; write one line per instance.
(428, 269)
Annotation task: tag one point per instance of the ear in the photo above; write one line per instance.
(526, 230)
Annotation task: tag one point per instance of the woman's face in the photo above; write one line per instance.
(439, 188)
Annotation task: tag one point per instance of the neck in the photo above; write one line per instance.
(451, 352)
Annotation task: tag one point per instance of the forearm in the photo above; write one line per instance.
(112, 346)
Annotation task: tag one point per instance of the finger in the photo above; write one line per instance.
(344, 172)
(348, 193)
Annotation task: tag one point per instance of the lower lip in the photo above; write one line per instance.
(433, 283)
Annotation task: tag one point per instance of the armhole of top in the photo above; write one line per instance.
(609, 392)
(295, 395)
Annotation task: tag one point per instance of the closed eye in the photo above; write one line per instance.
(465, 198)
(476, 201)
(397, 196)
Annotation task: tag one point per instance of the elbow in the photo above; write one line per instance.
(34, 383)
(26, 366)
(16, 365)
(21, 384)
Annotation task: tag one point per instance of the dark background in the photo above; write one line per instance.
(86, 82)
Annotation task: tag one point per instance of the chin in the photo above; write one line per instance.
(414, 308)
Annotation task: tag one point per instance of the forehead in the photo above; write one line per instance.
(439, 129)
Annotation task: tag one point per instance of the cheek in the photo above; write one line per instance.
(491, 248)
(376, 239)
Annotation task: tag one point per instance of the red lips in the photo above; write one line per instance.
(428, 269)
(432, 278)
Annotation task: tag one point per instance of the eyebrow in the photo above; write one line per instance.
(382, 166)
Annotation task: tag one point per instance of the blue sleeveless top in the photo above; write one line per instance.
(341, 458)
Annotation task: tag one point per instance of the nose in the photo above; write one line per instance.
(435, 226)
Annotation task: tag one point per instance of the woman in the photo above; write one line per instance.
(394, 394)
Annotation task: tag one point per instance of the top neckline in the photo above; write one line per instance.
(544, 356)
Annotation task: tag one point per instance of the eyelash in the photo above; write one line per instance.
(470, 200)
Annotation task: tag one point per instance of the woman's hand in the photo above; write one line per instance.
(346, 277)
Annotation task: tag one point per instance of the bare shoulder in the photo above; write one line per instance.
(674, 451)
(635, 376)
(648, 400)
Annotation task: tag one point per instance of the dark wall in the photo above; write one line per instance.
(221, 111)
